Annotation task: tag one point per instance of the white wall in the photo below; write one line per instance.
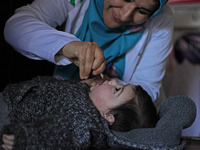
(184, 79)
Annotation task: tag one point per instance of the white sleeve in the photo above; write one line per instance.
(151, 65)
(31, 30)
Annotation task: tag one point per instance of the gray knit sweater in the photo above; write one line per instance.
(46, 113)
(50, 114)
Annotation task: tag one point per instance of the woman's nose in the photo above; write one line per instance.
(127, 12)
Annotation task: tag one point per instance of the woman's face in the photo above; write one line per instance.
(127, 12)
(110, 94)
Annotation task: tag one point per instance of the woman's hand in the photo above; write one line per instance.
(8, 141)
(87, 55)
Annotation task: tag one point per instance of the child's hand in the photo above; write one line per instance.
(8, 142)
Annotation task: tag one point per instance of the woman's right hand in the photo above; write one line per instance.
(87, 55)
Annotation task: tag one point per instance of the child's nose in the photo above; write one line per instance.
(113, 82)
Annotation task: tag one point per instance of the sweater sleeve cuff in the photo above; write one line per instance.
(19, 132)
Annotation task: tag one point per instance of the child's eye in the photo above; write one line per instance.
(117, 89)
(127, 0)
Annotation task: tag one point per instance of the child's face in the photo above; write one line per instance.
(110, 94)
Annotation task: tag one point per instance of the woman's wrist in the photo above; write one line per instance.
(60, 52)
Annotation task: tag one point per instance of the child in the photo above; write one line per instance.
(47, 113)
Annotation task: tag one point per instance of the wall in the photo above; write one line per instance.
(184, 78)
(14, 66)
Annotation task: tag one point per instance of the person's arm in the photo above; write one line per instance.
(31, 31)
(152, 64)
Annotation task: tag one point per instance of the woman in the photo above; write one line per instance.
(124, 38)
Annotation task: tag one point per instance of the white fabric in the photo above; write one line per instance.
(31, 31)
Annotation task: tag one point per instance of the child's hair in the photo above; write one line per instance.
(138, 112)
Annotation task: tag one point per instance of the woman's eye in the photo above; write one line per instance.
(117, 89)
(141, 11)
(127, 0)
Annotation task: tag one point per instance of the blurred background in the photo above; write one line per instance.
(13, 66)
(182, 76)
(183, 69)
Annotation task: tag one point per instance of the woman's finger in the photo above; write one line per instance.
(99, 59)
(100, 69)
(86, 60)
(89, 61)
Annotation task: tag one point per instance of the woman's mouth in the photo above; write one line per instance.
(115, 17)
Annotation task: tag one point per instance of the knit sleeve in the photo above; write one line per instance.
(37, 135)
(52, 133)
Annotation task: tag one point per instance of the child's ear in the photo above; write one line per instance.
(110, 118)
